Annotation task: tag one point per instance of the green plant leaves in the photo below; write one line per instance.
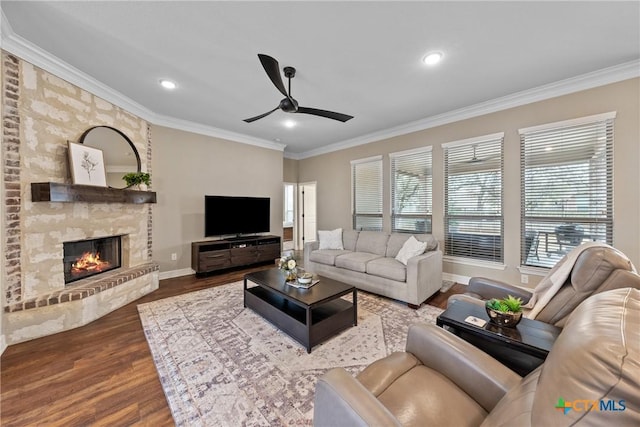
(505, 305)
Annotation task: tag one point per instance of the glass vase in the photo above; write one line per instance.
(291, 275)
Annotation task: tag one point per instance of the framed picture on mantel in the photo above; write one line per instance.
(87, 165)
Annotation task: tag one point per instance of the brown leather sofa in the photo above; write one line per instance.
(442, 380)
(596, 270)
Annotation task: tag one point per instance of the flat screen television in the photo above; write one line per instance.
(224, 215)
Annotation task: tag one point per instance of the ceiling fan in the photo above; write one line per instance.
(476, 159)
(289, 104)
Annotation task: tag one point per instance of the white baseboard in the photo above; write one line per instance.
(463, 280)
(176, 273)
(3, 344)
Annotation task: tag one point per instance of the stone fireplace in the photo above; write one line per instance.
(41, 112)
(90, 257)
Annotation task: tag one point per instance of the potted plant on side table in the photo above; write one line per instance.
(504, 312)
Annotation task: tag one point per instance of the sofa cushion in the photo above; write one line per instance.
(432, 242)
(424, 397)
(356, 261)
(373, 242)
(389, 268)
(349, 239)
(326, 256)
(330, 239)
(396, 240)
(412, 247)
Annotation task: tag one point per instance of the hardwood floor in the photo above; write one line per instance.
(100, 374)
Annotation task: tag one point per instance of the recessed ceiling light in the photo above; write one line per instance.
(432, 58)
(289, 123)
(167, 84)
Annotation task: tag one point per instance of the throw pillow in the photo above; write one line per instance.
(330, 239)
(412, 247)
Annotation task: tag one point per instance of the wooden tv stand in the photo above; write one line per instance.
(213, 255)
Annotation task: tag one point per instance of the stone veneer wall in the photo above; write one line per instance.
(41, 112)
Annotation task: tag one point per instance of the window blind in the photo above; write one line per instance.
(566, 187)
(367, 194)
(473, 198)
(411, 191)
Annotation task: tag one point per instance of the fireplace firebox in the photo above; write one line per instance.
(85, 258)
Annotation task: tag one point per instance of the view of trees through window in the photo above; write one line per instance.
(567, 189)
(411, 191)
(473, 199)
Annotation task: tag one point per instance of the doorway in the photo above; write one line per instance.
(289, 217)
(306, 229)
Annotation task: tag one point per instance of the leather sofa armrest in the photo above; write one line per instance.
(489, 288)
(342, 400)
(479, 375)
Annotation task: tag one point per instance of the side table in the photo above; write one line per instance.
(522, 348)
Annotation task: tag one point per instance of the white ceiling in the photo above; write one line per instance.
(357, 58)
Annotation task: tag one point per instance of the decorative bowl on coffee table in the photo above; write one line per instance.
(305, 279)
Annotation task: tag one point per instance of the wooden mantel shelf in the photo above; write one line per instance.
(58, 192)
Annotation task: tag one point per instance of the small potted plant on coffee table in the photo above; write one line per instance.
(504, 312)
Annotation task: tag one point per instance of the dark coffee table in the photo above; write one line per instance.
(310, 316)
(522, 348)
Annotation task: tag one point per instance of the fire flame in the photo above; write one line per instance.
(89, 262)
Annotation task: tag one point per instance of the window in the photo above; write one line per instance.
(473, 172)
(567, 187)
(366, 188)
(411, 187)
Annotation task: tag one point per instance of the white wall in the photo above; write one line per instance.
(185, 167)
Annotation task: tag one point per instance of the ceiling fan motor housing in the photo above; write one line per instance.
(289, 105)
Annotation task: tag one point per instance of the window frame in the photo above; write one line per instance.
(531, 239)
(480, 246)
(354, 194)
(427, 216)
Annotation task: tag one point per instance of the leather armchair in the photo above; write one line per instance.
(441, 380)
(596, 270)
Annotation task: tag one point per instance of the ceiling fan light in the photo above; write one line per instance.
(432, 58)
(167, 84)
(289, 124)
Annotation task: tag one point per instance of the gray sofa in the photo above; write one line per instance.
(368, 263)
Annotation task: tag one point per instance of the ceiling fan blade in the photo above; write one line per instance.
(272, 69)
(253, 119)
(324, 113)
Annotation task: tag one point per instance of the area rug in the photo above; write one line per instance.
(221, 364)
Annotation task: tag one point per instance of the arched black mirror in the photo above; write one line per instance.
(119, 153)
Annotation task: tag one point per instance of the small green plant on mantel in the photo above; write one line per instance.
(510, 304)
(137, 178)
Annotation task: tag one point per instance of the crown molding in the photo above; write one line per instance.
(17, 45)
(616, 73)
(201, 129)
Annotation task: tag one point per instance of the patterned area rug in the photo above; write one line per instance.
(221, 364)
